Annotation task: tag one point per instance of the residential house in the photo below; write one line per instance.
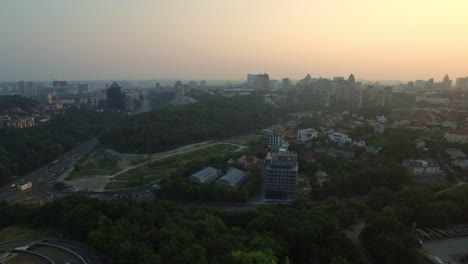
(379, 128)
(339, 138)
(247, 162)
(359, 143)
(321, 177)
(455, 153)
(457, 136)
(306, 135)
(422, 167)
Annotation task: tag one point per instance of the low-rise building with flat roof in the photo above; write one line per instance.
(422, 167)
(233, 178)
(339, 138)
(205, 175)
(306, 135)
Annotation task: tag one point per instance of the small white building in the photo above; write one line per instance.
(379, 128)
(359, 143)
(381, 119)
(306, 135)
(321, 177)
(284, 147)
(455, 153)
(450, 124)
(422, 167)
(339, 138)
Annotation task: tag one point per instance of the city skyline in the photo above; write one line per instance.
(225, 40)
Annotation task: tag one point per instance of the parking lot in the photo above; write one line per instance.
(453, 251)
(445, 245)
(426, 234)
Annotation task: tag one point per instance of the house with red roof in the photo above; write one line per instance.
(457, 136)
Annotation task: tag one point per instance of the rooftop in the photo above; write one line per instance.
(205, 175)
(233, 178)
(460, 132)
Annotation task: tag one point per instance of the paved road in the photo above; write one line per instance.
(354, 234)
(41, 178)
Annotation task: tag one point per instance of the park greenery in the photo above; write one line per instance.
(170, 127)
(173, 166)
(27, 149)
(179, 187)
(132, 231)
(10, 103)
(392, 215)
(101, 165)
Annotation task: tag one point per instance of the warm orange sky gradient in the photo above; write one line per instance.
(226, 39)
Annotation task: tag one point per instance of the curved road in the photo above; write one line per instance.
(41, 178)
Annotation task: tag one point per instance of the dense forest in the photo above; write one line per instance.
(10, 102)
(132, 232)
(389, 222)
(24, 150)
(214, 117)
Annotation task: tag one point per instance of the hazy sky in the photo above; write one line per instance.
(226, 39)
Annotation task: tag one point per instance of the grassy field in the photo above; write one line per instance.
(246, 139)
(164, 167)
(100, 166)
(18, 232)
(116, 184)
(27, 198)
(458, 191)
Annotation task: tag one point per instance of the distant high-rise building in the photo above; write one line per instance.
(446, 83)
(83, 88)
(356, 102)
(280, 172)
(202, 84)
(259, 82)
(115, 97)
(344, 90)
(420, 83)
(59, 84)
(157, 87)
(129, 103)
(429, 84)
(274, 84)
(388, 94)
(262, 83)
(286, 84)
(462, 83)
(351, 79)
(179, 89)
(193, 84)
(251, 79)
(27, 89)
(323, 88)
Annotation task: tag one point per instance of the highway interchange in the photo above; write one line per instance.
(43, 179)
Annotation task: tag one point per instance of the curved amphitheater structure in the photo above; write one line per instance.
(49, 251)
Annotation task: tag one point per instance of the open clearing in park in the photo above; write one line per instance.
(110, 170)
(457, 191)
